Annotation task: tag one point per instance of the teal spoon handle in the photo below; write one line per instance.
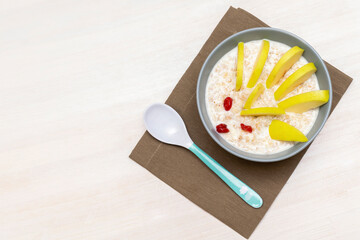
(240, 188)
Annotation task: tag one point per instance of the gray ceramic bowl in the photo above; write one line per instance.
(256, 34)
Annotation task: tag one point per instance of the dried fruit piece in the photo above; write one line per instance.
(228, 103)
(246, 128)
(222, 128)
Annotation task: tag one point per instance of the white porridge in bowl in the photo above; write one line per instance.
(221, 85)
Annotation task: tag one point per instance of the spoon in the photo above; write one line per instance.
(166, 125)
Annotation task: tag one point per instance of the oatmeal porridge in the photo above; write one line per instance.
(221, 85)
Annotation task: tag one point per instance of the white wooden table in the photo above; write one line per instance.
(75, 78)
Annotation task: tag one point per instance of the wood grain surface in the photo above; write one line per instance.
(76, 77)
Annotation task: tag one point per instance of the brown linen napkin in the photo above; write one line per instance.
(180, 169)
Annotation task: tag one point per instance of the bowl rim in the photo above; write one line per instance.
(259, 159)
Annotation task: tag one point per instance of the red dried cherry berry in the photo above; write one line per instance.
(222, 128)
(246, 128)
(228, 103)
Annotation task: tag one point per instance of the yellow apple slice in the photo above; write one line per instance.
(282, 131)
(239, 66)
(284, 64)
(259, 63)
(262, 111)
(258, 90)
(305, 101)
(294, 80)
